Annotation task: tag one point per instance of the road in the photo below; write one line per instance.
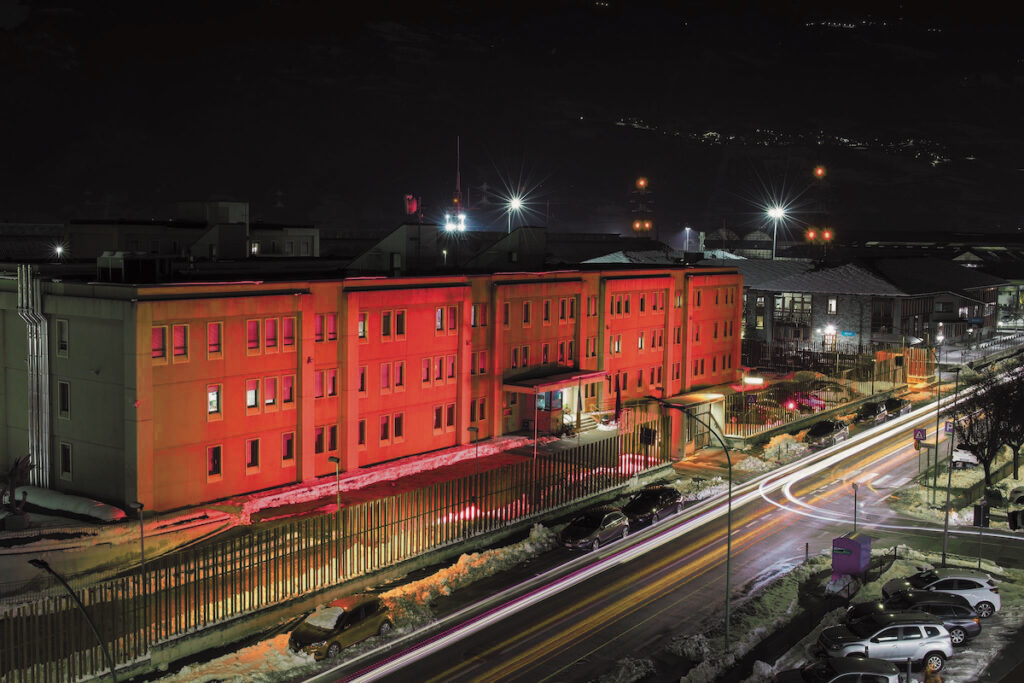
(670, 580)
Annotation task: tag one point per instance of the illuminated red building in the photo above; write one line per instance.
(186, 393)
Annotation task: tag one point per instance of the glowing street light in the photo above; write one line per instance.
(455, 223)
(515, 204)
(776, 213)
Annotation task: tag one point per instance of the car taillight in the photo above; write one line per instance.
(994, 589)
(976, 620)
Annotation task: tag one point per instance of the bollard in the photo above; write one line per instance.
(807, 552)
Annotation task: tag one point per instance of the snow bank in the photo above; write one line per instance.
(55, 500)
(699, 489)
(628, 670)
(785, 447)
(265, 662)
(755, 464)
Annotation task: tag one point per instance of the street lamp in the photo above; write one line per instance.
(514, 204)
(949, 477)
(686, 244)
(728, 516)
(854, 507)
(776, 213)
(42, 564)
(337, 480)
(136, 505)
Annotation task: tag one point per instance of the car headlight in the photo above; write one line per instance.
(319, 643)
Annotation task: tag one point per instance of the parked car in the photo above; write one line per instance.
(963, 459)
(804, 402)
(894, 407)
(1016, 496)
(342, 623)
(956, 613)
(652, 504)
(871, 412)
(595, 527)
(893, 636)
(843, 670)
(977, 586)
(827, 433)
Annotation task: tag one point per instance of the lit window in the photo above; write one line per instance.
(318, 327)
(361, 330)
(159, 344)
(252, 393)
(385, 377)
(833, 304)
(332, 326)
(213, 399)
(214, 332)
(288, 390)
(438, 319)
(270, 332)
(318, 384)
(252, 332)
(287, 332)
(180, 337)
(270, 391)
(425, 370)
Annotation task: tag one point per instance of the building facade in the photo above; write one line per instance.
(180, 394)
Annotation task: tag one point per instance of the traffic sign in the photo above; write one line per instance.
(920, 434)
(751, 399)
(949, 426)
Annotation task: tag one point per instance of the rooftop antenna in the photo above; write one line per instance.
(457, 199)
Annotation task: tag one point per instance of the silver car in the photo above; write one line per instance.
(894, 636)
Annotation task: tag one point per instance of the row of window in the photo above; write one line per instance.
(520, 355)
(699, 367)
(725, 295)
(726, 327)
(619, 305)
(621, 379)
(253, 454)
(253, 403)
(392, 325)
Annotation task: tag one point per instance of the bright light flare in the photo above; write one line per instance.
(455, 223)
(776, 213)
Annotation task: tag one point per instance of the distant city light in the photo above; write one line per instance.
(811, 234)
(455, 223)
(59, 250)
(515, 205)
(830, 329)
(776, 212)
(819, 171)
(641, 183)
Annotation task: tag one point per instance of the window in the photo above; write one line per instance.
(398, 427)
(439, 319)
(572, 308)
(331, 377)
(526, 313)
(288, 447)
(626, 307)
(562, 306)
(213, 462)
(472, 411)
(438, 418)
(400, 324)
(179, 336)
(450, 416)
(318, 384)
(361, 330)
(252, 336)
(483, 362)
(451, 367)
(159, 343)
(270, 333)
(618, 344)
(213, 399)
(385, 377)
(481, 412)
(64, 400)
(833, 304)
(385, 325)
(479, 315)
(361, 434)
(252, 394)
(270, 392)
(252, 454)
(287, 332)
(425, 370)
(515, 356)
(570, 350)
(399, 376)
(65, 461)
(318, 440)
(318, 327)
(546, 311)
(505, 309)
(643, 302)
(453, 317)
(385, 429)
(62, 338)
(640, 341)
(561, 352)
(214, 332)
(525, 351)
(544, 355)
(332, 326)
(439, 368)
(288, 390)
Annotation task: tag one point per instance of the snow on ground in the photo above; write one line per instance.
(699, 489)
(55, 500)
(263, 662)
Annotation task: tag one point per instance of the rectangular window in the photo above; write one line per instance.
(64, 400)
(439, 368)
(214, 332)
(385, 377)
(213, 462)
(438, 418)
(400, 324)
(332, 326)
(270, 392)
(288, 447)
(361, 325)
(361, 435)
(65, 461)
(833, 304)
(180, 342)
(643, 302)
(213, 399)
(526, 355)
(362, 380)
(252, 454)
(450, 416)
(451, 367)
(546, 311)
(483, 362)
(288, 390)
(570, 351)
(270, 333)
(626, 307)
(481, 412)
(439, 319)
(526, 313)
(385, 429)
(572, 308)
(453, 317)
(252, 393)
(62, 338)
(399, 376)
(425, 370)
(562, 309)
(472, 363)
(159, 343)
(318, 384)
(318, 440)
(398, 427)
(385, 325)
(561, 352)
(472, 411)
(545, 353)
(252, 336)
(318, 327)
(332, 438)
(287, 332)
(515, 356)
(331, 377)
(479, 315)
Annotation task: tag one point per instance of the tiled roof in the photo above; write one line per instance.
(928, 275)
(847, 278)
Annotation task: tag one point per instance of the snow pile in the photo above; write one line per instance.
(410, 604)
(755, 464)
(264, 662)
(628, 670)
(785, 447)
(699, 489)
(63, 502)
(325, 618)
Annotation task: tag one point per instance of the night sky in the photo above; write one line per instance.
(329, 114)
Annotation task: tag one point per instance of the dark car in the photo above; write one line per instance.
(342, 623)
(955, 611)
(843, 670)
(652, 504)
(827, 433)
(804, 402)
(872, 412)
(897, 406)
(594, 528)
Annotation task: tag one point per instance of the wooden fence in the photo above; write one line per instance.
(47, 638)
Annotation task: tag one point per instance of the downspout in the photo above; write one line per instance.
(37, 376)
(43, 469)
(30, 374)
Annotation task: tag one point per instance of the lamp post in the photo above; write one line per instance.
(136, 505)
(337, 481)
(514, 204)
(949, 477)
(728, 515)
(776, 213)
(854, 485)
(42, 564)
(686, 243)
(874, 370)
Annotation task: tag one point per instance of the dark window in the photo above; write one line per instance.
(213, 461)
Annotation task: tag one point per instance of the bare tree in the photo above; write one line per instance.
(1010, 403)
(977, 422)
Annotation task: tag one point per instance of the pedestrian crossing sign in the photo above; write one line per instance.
(920, 434)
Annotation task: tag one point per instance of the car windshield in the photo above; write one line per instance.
(869, 409)
(645, 497)
(591, 520)
(923, 579)
(821, 429)
(325, 618)
(864, 628)
(818, 672)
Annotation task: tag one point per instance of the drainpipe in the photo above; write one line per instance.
(37, 376)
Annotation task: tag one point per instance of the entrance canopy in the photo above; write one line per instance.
(554, 381)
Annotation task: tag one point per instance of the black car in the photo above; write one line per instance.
(872, 412)
(594, 528)
(955, 611)
(827, 433)
(897, 406)
(341, 623)
(652, 504)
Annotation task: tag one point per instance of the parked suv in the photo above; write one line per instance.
(871, 412)
(342, 623)
(827, 433)
(595, 527)
(895, 407)
(843, 670)
(894, 636)
(955, 611)
(651, 504)
(977, 586)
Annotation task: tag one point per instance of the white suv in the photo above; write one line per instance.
(977, 586)
(894, 636)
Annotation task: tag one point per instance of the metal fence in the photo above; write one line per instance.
(47, 638)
